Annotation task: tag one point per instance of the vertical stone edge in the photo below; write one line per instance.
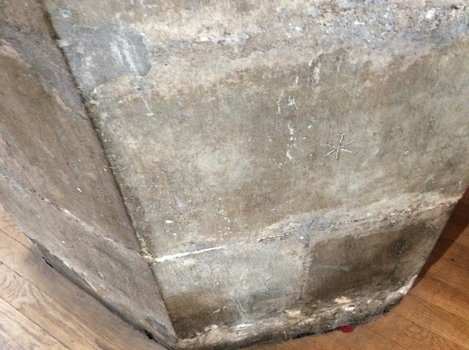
(36, 188)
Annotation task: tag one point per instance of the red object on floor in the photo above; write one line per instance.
(347, 329)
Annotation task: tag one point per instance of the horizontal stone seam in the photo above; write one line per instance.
(449, 202)
(67, 212)
(426, 47)
(150, 259)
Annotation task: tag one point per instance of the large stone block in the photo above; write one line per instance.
(286, 166)
(54, 177)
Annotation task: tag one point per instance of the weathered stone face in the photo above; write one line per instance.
(54, 178)
(250, 165)
(287, 166)
(383, 256)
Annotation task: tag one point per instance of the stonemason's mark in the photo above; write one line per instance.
(339, 147)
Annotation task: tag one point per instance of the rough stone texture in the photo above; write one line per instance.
(287, 165)
(54, 178)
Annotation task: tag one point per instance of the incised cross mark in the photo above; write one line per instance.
(339, 147)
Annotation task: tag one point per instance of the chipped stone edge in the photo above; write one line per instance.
(293, 323)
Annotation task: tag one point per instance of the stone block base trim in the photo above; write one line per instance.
(225, 172)
(354, 266)
(292, 324)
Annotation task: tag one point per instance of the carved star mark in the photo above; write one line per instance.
(339, 147)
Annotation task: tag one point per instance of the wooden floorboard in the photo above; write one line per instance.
(40, 309)
(31, 302)
(8, 227)
(408, 333)
(23, 331)
(58, 307)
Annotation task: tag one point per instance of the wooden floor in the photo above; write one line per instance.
(39, 309)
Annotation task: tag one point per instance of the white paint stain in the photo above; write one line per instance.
(317, 73)
(117, 52)
(244, 325)
(180, 255)
(349, 308)
(430, 15)
(127, 49)
(400, 292)
(179, 202)
(279, 109)
(342, 300)
(66, 13)
(290, 157)
(405, 289)
(150, 112)
(293, 313)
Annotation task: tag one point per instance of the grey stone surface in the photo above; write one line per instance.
(226, 135)
(389, 249)
(288, 165)
(100, 54)
(238, 283)
(54, 177)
